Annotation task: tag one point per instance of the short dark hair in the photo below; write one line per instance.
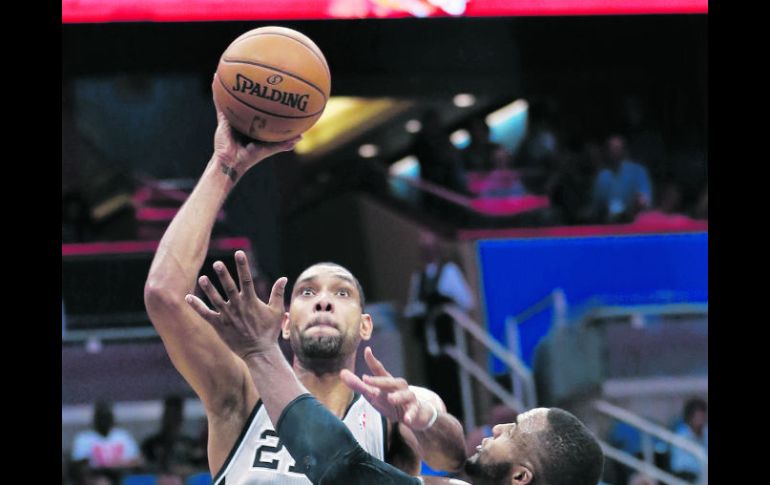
(359, 288)
(570, 453)
(692, 405)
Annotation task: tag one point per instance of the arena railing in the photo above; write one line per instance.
(524, 396)
(468, 367)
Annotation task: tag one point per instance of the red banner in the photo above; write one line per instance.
(95, 11)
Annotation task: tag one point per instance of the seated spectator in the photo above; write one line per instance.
(537, 157)
(440, 161)
(569, 187)
(169, 451)
(695, 428)
(669, 212)
(103, 450)
(480, 154)
(623, 188)
(502, 181)
(671, 199)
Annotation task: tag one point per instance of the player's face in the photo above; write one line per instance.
(511, 445)
(325, 318)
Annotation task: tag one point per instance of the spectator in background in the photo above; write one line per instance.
(440, 161)
(629, 439)
(538, 157)
(104, 450)
(169, 451)
(670, 210)
(645, 141)
(502, 181)
(623, 188)
(480, 154)
(438, 282)
(695, 428)
(569, 187)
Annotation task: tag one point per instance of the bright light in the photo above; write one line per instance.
(506, 112)
(460, 138)
(413, 126)
(368, 150)
(464, 100)
(406, 167)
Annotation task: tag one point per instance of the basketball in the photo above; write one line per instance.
(272, 83)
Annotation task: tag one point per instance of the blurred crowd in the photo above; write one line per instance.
(618, 176)
(691, 424)
(106, 454)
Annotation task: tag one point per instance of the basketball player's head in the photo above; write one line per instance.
(544, 446)
(325, 322)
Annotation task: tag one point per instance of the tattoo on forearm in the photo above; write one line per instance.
(230, 172)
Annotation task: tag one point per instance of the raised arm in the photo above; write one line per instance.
(218, 377)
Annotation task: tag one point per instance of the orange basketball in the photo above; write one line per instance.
(272, 83)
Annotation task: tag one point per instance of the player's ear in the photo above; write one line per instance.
(521, 475)
(366, 326)
(285, 332)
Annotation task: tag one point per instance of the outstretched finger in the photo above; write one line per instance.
(403, 397)
(356, 384)
(374, 364)
(276, 295)
(244, 274)
(213, 295)
(231, 289)
(201, 309)
(389, 384)
(411, 414)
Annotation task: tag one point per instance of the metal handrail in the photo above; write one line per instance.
(639, 465)
(556, 299)
(479, 373)
(437, 190)
(504, 354)
(659, 432)
(463, 323)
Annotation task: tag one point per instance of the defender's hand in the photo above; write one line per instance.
(390, 395)
(245, 323)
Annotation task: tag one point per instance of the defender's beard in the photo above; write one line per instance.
(486, 473)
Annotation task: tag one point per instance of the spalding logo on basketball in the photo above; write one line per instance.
(272, 83)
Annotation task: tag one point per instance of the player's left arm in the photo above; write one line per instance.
(420, 415)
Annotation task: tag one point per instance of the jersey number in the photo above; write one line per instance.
(273, 463)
